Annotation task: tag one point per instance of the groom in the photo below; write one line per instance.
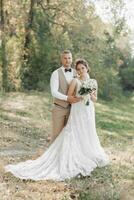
(59, 84)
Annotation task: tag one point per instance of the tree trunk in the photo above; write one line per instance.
(28, 29)
(3, 47)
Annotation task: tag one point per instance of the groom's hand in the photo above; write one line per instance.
(73, 99)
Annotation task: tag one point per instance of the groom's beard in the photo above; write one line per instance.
(67, 66)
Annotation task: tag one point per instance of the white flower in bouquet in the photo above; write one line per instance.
(86, 88)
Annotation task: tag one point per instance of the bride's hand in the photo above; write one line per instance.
(73, 99)
(79, 98)
(93, 96)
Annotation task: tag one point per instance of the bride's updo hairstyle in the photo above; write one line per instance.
(83, 62)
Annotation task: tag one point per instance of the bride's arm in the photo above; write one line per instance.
(72, 92)
(72, 88)
(94, 94)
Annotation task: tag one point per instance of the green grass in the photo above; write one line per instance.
(25, 124)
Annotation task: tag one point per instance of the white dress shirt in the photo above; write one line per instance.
(54, 83)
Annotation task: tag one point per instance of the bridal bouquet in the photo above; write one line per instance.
(86, 88)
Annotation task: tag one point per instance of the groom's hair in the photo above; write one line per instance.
(66, 52)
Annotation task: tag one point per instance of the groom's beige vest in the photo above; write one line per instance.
(63, 88)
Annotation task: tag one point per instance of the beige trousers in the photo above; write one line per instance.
(59, 119)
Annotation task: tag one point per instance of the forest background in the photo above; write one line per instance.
(34, 32)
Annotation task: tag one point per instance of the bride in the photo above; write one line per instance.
(77, 149)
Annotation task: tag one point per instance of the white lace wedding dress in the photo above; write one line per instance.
(76, 150)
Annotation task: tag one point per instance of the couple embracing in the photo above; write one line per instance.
(75, 147)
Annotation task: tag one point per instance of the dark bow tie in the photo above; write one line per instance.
(68, 70)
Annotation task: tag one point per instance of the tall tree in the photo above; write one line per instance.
(3, 47)
(28, 30)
